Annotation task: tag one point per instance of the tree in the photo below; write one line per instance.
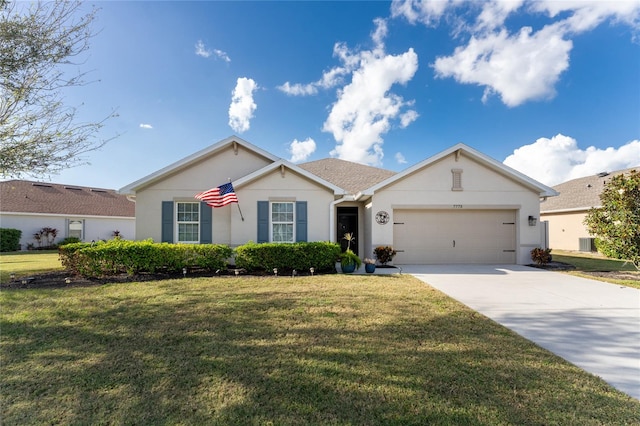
(616, 225)
(40, 49)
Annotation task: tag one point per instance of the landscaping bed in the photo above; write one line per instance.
(63, 279)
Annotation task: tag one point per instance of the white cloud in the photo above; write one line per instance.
(329, 79)
(300, 151)
(201, 50)
(380, 32)
(298, 89)
(146, 126)
(559, 159)
(242, 105)
(586, 15)
(520, 68)
(334, 76)
(222, 55)
(400, 158)
(366, 108)
(408, 117)
(494, 13)
(522, 65)
(425, 12)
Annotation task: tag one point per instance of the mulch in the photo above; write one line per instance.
(62, 279)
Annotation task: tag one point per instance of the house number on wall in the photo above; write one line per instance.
(457, 206)
(382, 217)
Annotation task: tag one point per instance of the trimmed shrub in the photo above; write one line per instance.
(118, 256)
(10, 239)
(69, 240)
(255, 257)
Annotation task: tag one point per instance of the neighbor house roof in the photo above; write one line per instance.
(352, 177)
(579, 194)
(462, 149)
(21, 196)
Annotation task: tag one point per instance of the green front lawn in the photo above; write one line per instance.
(591, 261)
(25, 263)
(329, 349)
(587, 264)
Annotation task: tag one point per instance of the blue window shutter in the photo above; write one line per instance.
(206, 233)
(167, 221)
(301, 221)
(263, 221)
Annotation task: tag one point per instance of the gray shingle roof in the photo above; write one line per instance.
(579, 194)
(51, 198)
(352, 177)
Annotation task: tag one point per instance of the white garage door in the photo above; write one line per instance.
(454, 236)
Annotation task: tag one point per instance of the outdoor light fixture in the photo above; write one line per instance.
(67, 280)
(13, 276)
(184, 272)
(532, 220)
(275, 271)
(312, 270)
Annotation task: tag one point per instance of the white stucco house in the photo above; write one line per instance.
(458, 206)
(74, 211)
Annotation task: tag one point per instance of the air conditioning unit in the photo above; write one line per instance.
(587, 244)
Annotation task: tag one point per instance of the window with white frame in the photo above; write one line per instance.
(75, 228)
(282, 222)
(188, 222)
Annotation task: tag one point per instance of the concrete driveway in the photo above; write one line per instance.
(591, 324)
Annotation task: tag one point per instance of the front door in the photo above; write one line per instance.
(347, 223)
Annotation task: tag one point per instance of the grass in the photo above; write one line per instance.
(27, 263)
(595, 262)
(330, 349)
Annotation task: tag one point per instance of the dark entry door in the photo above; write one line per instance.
(347, 223)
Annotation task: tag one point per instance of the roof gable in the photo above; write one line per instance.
(284, 165)
(231, 142)
(486, 161)
(20, 196)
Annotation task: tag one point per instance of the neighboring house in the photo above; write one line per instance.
(566, 212)
(458, 206)
(75, 211)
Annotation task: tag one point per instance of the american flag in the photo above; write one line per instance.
(219, 197)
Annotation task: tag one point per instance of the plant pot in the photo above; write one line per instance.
(369, 268)
(347, 268)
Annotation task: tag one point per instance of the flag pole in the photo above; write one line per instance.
(238, 204)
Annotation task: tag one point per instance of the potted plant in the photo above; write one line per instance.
(349, 261)
(384, 254)
(369, 265)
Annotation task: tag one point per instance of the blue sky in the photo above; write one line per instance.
(551, 88)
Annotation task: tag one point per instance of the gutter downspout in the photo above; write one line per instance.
(131, 198)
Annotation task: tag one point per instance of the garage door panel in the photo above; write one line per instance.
(451, 236)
